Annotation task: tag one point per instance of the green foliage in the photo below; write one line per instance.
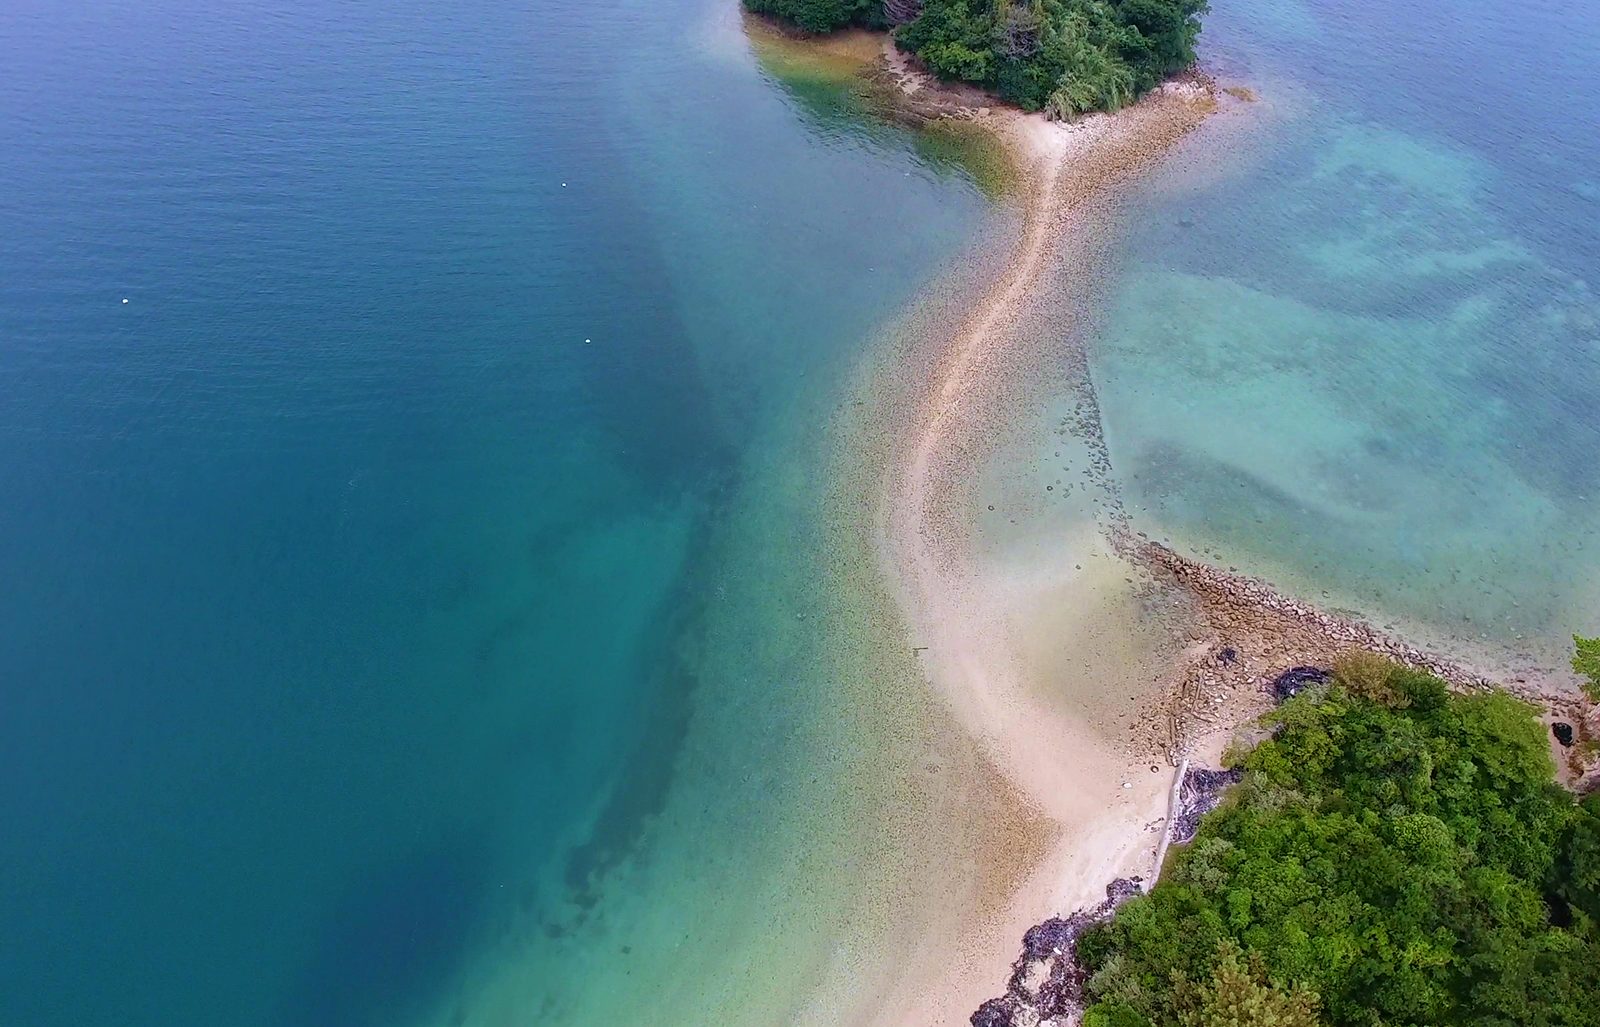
(1369, 676)
(1114, 1014)
(1240, 995)
(1578, 871)
(1586, 661)
(1091, 80)
(821, 15)
(1061, 56)
(1395, 850)
(952, 58)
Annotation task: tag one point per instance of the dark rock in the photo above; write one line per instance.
(1200, 782)
(1199, 794)
(1053, 946)
(1296, 680)
(1047, 939)
(996, 1012)
(1124, 888)
(1563, 733)
(1228, 654)
(1061, 992)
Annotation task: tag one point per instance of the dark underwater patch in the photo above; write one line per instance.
(398, 933)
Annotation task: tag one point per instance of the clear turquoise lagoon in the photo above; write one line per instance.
(1358, 349)
(415, 473)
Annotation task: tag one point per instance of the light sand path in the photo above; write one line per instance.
(978, 619)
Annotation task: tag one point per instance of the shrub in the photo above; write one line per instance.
(1239, 995)
(1369, 676)
(821, 15)
(954, 59)
(1586, 661)
(1061, 56)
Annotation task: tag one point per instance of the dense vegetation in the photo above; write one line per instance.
(1587, 663)
(1063, 56)
(1395, 855)
(822, 15)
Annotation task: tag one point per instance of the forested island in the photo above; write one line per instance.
(1395, 854)
(1064, 57)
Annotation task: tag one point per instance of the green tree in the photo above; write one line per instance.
(1578, 869)
(1091, 79)
(1395, 849)
(821, 15)
(1114, 1014)
(1586, 661)
(1062, 56)
(1239, 995)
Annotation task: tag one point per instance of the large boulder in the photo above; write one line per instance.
(1296, 679)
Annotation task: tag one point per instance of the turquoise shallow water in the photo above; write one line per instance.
(417, 605)
(1365, 358)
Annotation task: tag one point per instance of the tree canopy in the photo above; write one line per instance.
(1586, 661)
(1395, 855)
(822, 15)
(1063, 56)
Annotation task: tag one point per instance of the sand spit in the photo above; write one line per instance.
(973, 620)
(1232, 635)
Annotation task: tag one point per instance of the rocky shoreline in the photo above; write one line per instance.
(1046, 986)
(1252, 634)
(1258, 648)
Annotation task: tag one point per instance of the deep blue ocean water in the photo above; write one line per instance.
(347, 558)
(364, 566)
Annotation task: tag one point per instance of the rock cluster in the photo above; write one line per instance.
(1046, 982)
(1246, 605)
(1279, 645)
(1200, 793)
(1296, 680)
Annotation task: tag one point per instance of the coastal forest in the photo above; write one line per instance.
(1064, 57)
(1395, 854)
